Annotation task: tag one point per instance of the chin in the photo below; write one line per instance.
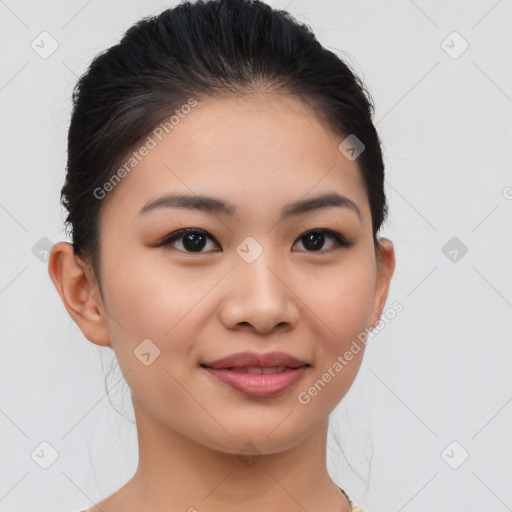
(257, 441)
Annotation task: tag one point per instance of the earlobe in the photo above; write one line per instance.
(78, 290)
(385, 269)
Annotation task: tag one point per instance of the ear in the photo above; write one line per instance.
(79, 292)
(385, 268)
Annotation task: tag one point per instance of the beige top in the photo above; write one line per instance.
(355, 508)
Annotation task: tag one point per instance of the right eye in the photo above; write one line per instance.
(191, 240)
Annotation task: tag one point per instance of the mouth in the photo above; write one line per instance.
(258, 382)
(255, 361)
(257, 374)
(257, 370)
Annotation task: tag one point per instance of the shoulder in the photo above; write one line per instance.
(355, 508)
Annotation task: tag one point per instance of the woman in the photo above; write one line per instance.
(224, 192)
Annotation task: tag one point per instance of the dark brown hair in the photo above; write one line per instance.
(199, 50)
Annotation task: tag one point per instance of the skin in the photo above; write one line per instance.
(259, 152)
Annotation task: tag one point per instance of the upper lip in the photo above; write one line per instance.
(255, 359)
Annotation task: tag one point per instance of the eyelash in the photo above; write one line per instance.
(341, 241)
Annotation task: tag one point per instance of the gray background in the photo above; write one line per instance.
(437, 373)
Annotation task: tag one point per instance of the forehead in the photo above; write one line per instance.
(253, 150)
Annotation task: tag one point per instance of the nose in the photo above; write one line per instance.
(259, 298)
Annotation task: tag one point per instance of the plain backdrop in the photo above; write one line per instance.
(427, 423)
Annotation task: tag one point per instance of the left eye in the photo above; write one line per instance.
(315, 239)
(192, 240)
(195, 240)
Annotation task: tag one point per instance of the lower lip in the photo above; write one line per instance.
(259, 385)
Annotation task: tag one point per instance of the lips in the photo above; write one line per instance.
(258, 375)
(254, 360)
(256, 370)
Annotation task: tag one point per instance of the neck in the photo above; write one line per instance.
(176, 473)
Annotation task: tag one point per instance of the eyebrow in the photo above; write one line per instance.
(214, 205)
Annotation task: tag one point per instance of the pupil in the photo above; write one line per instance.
(316, 240)
(194, 242)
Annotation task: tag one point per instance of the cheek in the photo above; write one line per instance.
(343, 301)
(147, 299)
(157, 302)
(342, 307)
(147, 302)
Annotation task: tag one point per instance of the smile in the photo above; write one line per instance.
(258, 382)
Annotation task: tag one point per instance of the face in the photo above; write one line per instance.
(247, 277)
